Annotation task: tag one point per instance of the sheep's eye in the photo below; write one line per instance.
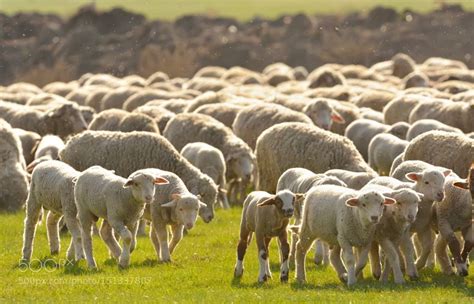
(363, 205)
(427, 183)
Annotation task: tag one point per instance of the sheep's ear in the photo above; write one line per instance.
(267, 202)
(420, 195)
(447, 172)
(337, 118)
(463, 184)
(175, 196)
(299, 196)
(352, 202)
(129, 183)
(389, 201)
(202, 205)
(413, 176)
(169, 204)
(160, 181)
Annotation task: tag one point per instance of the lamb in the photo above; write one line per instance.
(289, 145)
(240, 160)
(344, 218)
(253, 120)
(425, 125)
(99, 193)
(452, 214)
(436, 148)
(13, 176)
(455, 114)
(172, 205)
(62, 120)
(129, 152)
(267, 216)
(383, 149)
(29, 142)
(223, 112)
(48, 149)
(52, 188)
(353, 180)
(322, 113)
(400, 107)
(159, 114)
(119, 120)
(211, 162)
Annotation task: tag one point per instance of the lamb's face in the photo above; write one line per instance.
(407, 203)
(143, 186)
(370, 206)
(285, 201)
(430, 183)
(320, 113)
(187, 209)
(207, 190)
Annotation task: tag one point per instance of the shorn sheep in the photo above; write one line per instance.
(290, 145)
(99, 193)
(128, 152)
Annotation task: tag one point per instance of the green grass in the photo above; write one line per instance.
(241, 9)
(202, 271)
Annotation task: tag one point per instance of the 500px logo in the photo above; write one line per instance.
(48, 265)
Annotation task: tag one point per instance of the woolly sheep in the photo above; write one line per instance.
(99, 193)
(353, 180)
(156, 78)
(400, 107)
(60, 88)
(415, 79)
(211, 162)
(211, 72)
(174, 105)
(48, 149)
(117, 97)
(383, 149)
(368, 113)
(425, 125)
(129, 152)
(374, 99)
(62, 120)
(325, 77)
(322, 113)
(267, 216)
(142, 97)
(13, 177)
(402, 65)
(52, 189)
(203, 99)
(204, 84)
(94, 99)
(29, 142)
(289, 145)
(223, 112)
(344, 218)
(119, 120)
(159, 114)
(240, 160)
(450, 150)
(172, 205)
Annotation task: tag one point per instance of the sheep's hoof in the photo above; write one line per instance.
(284, 278)
(263, 279)
(238, 274)
(463, 273)
(166, 261)
(343, 278)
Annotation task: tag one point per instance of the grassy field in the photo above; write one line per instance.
(202, 271)
(242, 9)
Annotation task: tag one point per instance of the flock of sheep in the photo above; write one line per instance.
(374, 160)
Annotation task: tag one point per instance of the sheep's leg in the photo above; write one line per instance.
(223, 198)
(318, 252)
(349, 261)
(241, 249)
(392, 256)
(108, 237)
(134, 230)
(409, 254)
(362, 257)
(141, 228)
(426, 247)
(52, 229)
(294, 240)
(442, 255)
(177, 231)
(267, 262)
(86, 221)
(162, 234)
(154, 241)
(387, 268)
(262, 256)
(33, 211)
(468, 235)
(375, 260)
(232, 192)
(126, 236)
(335, 258)
(447, 233)
(75, 249)
(242, 190)
(284, 252)
(302, 247)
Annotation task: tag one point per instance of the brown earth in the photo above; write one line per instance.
(41, 48)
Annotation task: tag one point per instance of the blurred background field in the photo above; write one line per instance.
(242, 10)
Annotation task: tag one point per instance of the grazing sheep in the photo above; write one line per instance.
(289, 145)
(325, 77)
(415, 79)
(62, 120)
(223, 112)
(159, 114)
(211, 162)
(383, 149)
(52, 189)
(267, 216)
(99, 193)
(129, 152)
(29, 142)
(172, 205)
(353, 180)
(400, 107)
(344, 218)
(13, 177)
(117, 97)
(203, 99)
(48, 149)
(425, 125)
(402, 65)
(185, 128)
(94, 99)
(119, 120)
(253, 120)
(142, 97)
(446, 149)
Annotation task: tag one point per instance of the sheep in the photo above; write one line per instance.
(400, 107)
(344, 218)
(267, 216)
(211, 72)
(322, 113)
(99, 193)
(383, 149)
(29, 142)
(172, 205)
(159, 114)
(211, 162)
(368, 113)
(203, 99)
(300, 180)
(437, 148)
(253, 120)
(128, 152)
(205, 84)
(13, 176)
(94, 99)
(300, 73)
(425, 125)
(119, 120)
(325, 77)
(223, 112)
(19, 87)
(289, 145)
(19, 98)
(402, 65)
(62, 120)
(455, 114)
(454, 213)
(353, 180)
(142, 97)
(374, 99)
(174, 105)
(48, 149)
(60, 88)
(240, 160)
(117, 97)
(415, 79)
(361, 132)
(156, 78)
(52, 188)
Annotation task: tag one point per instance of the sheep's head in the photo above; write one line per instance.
(430, 183)
(370, 206)
(406, 208)
(285, 201)
(242, 165)
(66, 119)
(322, 113)
(205, 187)
(186, 208)
(143, 186)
